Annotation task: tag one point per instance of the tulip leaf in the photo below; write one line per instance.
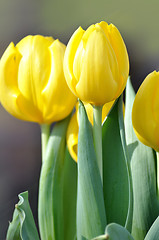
(70, 196)
(51, 222)
(146, 207)
(116, 186)
(117, 232)
(22, 226)
(13, 232)
(83, 238)
(128, 223)
(91, 217)
(153, 233)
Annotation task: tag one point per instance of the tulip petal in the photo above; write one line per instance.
(8, 75)
(99, 73)
(145, 114)
(78, 58)
(119, 47)
(69, 58)
(106, 109)
(34, 67)
(72, 136)
(55, 103)
(28, 110)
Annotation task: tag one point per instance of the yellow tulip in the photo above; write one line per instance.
(145, 113)
(72, 131)
(33, 86)
(96, 64)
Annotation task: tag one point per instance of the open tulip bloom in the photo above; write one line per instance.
(111, 190)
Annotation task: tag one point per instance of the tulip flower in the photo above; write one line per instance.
(33, 86)
(72, 131)
(145, 113)
(96, 64)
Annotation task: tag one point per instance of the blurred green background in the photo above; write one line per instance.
(138, 22)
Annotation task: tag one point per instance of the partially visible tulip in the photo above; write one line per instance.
(72, 131)
(145, 113)
(96, 64)
(33, 86)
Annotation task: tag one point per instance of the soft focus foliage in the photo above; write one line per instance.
(145, 114)
(32, 81)
(96, 64)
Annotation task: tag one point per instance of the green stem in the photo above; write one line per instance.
(157, 174)
(97, 135)
(45, 132)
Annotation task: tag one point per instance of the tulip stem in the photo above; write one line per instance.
(45, 132)
(97, 135)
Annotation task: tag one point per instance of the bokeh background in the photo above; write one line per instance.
(138, 22)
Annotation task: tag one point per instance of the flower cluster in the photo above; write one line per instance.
(111, 190)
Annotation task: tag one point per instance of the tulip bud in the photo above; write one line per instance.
(72, 131)
(33, 86)
(96, 64)
(145, 113)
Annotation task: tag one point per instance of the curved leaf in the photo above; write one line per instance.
(117, 232)
(91, 218)
(13, 232)
(22, 227)
(115, 171)
(153, 233)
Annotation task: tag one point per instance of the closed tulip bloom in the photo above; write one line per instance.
(96, 64)
(73, 127)
(145, 113)
(33, 86)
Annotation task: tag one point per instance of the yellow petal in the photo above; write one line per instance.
(119, 47)
(78, 58)
(144, 141)
(34, 67)
(99, 77)
(106, 109)
(57, 97)
(29, 111)
(72, 136)
(145, 113)
(8, 81)
(69, 58)
(11, 98)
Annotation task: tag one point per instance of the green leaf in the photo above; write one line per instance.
(91, 218)
(128, 224)
(70, 197)
(117, 232)
(116, 173)
(50, 209)
(146, 207)
(13, 232)
(153, 233)
(22, 227)
(83, 238)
